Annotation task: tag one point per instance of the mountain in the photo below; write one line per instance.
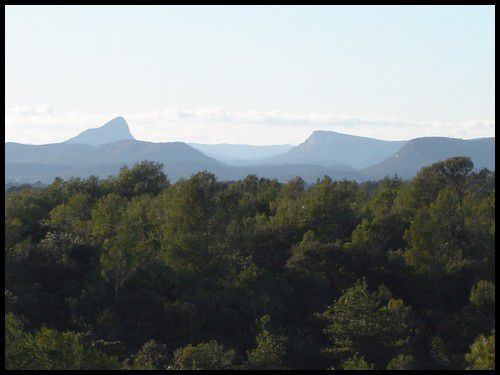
(120, 152)
(240, 154)
(14, 186)
(28, 163)
(179, 160)
(55, 153)
(420, 152)
(330, 148)
(337, 155)
(114, 130)
(100, 152)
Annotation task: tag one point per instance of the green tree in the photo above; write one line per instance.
(436, 237)
(401, 362)
(19, 353)
(48, 349)
(152, 356)
(191, 223)
(482, 353)
(356, 363)
(358, 322)
(482, 294)
(132, 247)
(146, 177)
(270, 351)
(71, 216)
(105, 216)
(203, 356)
(328, 207)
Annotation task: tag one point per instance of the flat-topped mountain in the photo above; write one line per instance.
(420, 152)
(115, 130)
(330, 148)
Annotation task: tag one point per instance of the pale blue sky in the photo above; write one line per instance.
(262, 70)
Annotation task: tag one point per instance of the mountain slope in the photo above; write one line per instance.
(115, 130)
(420, 152)
(110, 153)
(101, 152)
(232, 153)
(54, 153)
(330, 148)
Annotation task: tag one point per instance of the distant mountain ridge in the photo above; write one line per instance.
(420, 152)
(238, 153)
(109, 153)
(330, 148)
(102, 151)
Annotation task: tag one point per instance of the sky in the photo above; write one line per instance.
(249, 74)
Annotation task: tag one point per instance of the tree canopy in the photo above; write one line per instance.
(132, 272)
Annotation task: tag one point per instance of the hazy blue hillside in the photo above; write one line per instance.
(110, 153)
(30, 172)
(309, 172)
(18, 173)
(54, 153)
(168, 152)
(231, 153)
(29, 163)
(420, 152)
(331, 148)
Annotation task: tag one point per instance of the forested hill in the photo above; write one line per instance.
(136, 272)
(420, 152)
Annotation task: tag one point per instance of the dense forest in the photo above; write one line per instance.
(134, 272)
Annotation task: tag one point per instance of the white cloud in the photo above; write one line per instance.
(43, 109)
(44, 124)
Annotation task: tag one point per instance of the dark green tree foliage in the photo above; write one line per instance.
(131, 272)
(204, 356)
(72, 216)
(152, 356)
(401, 362)
(482, 353)
(144, 178)
(362, 323)
(48, 349)
(270, 350)
(356, 363)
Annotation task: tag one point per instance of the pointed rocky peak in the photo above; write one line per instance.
(115, 130)
(117, 123)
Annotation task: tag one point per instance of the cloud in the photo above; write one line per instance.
(257, 117)
(43, 109)
(43, 124)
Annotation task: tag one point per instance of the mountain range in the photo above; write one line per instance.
(419, 152)
(102, 151)
(332, 149)
(240, 154)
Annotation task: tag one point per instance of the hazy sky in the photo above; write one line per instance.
(250, 74)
